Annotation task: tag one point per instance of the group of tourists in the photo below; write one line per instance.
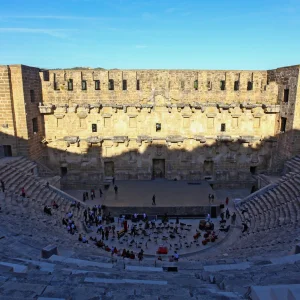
(92, 195)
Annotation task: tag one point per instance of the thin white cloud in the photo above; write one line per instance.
(60, 33)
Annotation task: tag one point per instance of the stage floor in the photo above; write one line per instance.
(136, 193)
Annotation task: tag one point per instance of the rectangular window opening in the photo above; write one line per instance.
(35, 127)
(182, 85)
(158, 127)
(236, 85)
(196, 85)
(253, 170)
(209, 85)
(46, 75)
(283, 124)
(124, 85)
(94, 127)
(223, 127)
(138, 85)
(111, 85)
(286, 95)
(249, 86)
(7, 150)
(32, 96)
(70, 85)
(222, 85)
(97, 85)
(83, 85)
(63, 171)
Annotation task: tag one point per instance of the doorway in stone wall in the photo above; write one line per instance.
(109, 169)
(208, 167)
(158, 168)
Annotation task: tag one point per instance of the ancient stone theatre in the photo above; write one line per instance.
(87, 124)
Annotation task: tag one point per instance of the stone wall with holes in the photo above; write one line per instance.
(223, 125)
(214, 124)
(142, 86)
(288, 136)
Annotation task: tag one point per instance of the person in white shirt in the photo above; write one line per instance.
(135, 215)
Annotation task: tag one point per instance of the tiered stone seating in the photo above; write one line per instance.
(273, 217)
(292, 165)
(18, 173)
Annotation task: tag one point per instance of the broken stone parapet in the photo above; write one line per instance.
(271, 108)
(46, 109)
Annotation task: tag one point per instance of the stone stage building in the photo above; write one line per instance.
(87, 124)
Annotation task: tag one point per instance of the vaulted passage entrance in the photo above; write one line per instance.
(158, 168)
(109, 169)
(208, 167)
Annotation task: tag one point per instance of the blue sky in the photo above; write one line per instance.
(151, 34)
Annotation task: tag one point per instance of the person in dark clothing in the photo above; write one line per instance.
(113, 180)
(83, 197)
(116, 189)
(227, 213)
(87, 195)
(153, 200)
(233, 218)
(245, 227)
(101, 193)
(222, 216)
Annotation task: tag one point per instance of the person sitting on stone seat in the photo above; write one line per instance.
(73, 203)
(245, 228)
(54, 204)
(73, 226)
(140, 255)
(64, 221)
(132, 255)
(124, 253)
(70, 215)
(100, 244)
(47, 210)
(84, 240)
(80, 238)
(176, 256)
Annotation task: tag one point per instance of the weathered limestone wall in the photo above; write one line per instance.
(288, 144)
(190, 141)
(7, 128)
(18, 110)
(219, 124)
(176, 86)
(32, 82)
